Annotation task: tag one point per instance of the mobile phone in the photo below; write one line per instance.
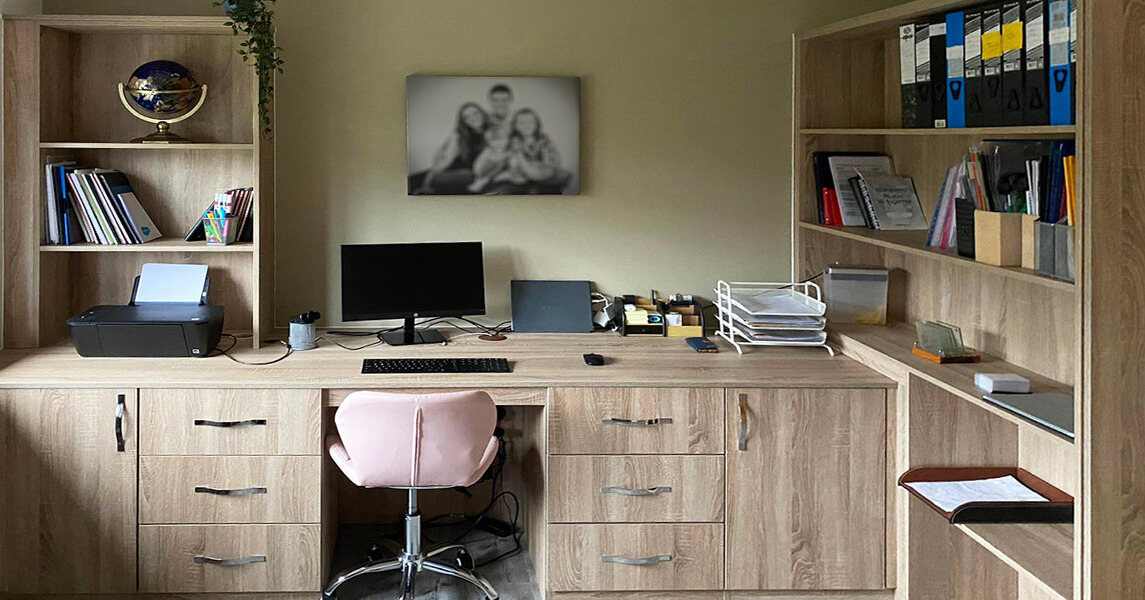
(702, 344)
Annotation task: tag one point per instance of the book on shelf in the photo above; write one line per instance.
(842, 168)
(890, 202)
(96, 206)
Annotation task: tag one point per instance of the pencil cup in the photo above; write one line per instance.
(221, 231)
(302, 336)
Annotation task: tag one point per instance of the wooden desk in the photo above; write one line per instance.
(815, 451)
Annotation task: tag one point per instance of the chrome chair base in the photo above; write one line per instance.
(412, 561)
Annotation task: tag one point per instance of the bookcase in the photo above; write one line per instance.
(61, 99)
(1083, 339)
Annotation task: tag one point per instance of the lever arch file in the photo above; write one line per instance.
(938, 72)
(1013, 80)
(922, 74)
(992, 65)
(908, 75)
(972, 44)
(955, 70)
(1061, 71)
(1037, 106)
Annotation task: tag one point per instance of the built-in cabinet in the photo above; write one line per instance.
(68, 491)
(806, 489)
(713, 489)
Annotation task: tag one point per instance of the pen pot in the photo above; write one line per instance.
(998, 238)
(1030, 242)
(1063, 252)
(221, 231)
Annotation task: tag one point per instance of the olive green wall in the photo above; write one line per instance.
(686, 127)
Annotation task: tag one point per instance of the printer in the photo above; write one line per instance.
(175, 322)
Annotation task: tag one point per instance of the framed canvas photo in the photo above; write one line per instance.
(493, 135)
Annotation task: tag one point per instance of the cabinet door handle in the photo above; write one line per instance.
(622, 491)
(743, 422)
(120, 408)
(246, 423)
(637, 562)
(202, 489)
(228, 562)
(638, 423)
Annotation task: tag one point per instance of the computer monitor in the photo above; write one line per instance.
(410, 281)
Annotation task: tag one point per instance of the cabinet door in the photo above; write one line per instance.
(806, 489)
(68, 491)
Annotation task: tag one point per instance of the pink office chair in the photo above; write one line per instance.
(414, 441)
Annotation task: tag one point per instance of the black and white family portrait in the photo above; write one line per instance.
(493, 135)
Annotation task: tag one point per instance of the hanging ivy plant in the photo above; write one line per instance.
(255, 20)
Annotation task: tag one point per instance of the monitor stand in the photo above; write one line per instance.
(409, 335)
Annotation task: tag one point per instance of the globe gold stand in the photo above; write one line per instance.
(163, 133)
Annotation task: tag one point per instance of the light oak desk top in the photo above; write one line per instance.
(537, 360)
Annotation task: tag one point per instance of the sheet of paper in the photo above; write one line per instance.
(949, 495)
(171, 283)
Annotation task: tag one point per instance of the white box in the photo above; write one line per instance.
(1002, 382)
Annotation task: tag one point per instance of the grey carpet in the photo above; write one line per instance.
(513, 577)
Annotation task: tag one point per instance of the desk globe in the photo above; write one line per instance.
(162, 92)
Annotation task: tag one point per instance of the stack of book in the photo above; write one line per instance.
(861, 189)
(1031, 177)
(92, 205)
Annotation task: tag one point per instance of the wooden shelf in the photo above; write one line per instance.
(1042, 552)
(894, 342)
(884, 21)
(1063, 131)
(160, 245)
(131, 24)
(914, 242)
(130, 146)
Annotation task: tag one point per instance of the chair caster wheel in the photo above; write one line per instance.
(464, 560)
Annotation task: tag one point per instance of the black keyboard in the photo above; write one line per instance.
(435, 365)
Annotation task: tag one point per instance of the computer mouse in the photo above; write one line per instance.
(594, 360)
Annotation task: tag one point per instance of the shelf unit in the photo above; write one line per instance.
(847, 98)
(60, 100)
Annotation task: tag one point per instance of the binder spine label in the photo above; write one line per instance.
(906, 54)
(992, 44)
(973, 46)
(1035, 37)
(922, 54)
(1012, 39)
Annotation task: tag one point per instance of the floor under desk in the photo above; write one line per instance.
(514, 576)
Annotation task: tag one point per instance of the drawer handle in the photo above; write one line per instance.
(743, 422)
(202, 489)
(228, 562)
(656, 491)
(247, 423)
(641, 423)
(120, 408)
(637, 562)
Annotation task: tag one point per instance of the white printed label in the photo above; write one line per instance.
(974, 46)
(1035, 33)
(922, 52)
(937, 29)
(1059, 36)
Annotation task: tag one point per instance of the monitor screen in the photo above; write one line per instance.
(401, 281)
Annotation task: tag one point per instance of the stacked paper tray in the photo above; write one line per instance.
(771, 314)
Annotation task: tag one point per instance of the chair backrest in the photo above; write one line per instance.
(418, 440)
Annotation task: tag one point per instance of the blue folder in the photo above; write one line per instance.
(955, 70)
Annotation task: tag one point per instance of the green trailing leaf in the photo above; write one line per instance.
(255, 20)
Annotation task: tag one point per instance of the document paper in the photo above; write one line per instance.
(171, 284)
(949, 495)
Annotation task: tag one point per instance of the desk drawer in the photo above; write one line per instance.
(229, 558)
(230, 489)
(214, 421)
(636, 489)
(636, 421)
(636, 557)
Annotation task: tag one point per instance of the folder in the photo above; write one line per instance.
(972, 44)
(938, 71)
(910, 116)
(1061, 71)
(955, 70)
(1013, 80)
(1037, 106)
(922, 72)
(992, 65)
